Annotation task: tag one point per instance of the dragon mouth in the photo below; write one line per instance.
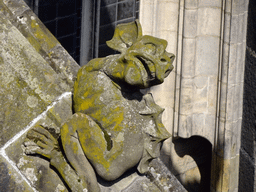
(149, 67)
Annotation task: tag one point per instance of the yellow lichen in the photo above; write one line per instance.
(42, 36)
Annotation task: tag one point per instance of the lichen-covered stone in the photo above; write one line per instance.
(28, 83)
(35, 169)
(163, 178)
(35, 70)
(20, 15)
(114, 126)
(10, 180)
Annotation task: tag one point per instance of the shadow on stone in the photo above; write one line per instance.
(200, 149)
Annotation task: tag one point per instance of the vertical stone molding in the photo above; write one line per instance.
(230, 98)
(160, 18)
(203, 96)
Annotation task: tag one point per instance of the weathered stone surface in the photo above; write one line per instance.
(38, 172)
(40, 38)
(142, 184)
(27, 74)
(205, 95)
(247, 166)
(37, 73)
(162, 177)
(35, 169)
(35, 70)
(22, 78)
(10, 180)
(114, 126)
(159, 178)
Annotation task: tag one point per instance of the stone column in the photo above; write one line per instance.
(203, 96)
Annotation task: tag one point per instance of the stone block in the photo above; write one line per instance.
(209, 3)
(212, 95)
(17, 52)
(225, 63)
(246, 4)
(171, 37)
(188, 59)
(227, 26)
(228, 149)
(222, 97)
(40, 38)
(36, 170)
(236, 102)
(191, 179)
(167, 118)
(167, 18)
(198, 124)
(30, 81)
(245, 15)
(237, 7)
(209, 21)
(230, 103)
(140, 184)
(240, 63)
(238, 136)
(200, 100)
(188, 82)
(10, 179)
(207, 49)
(240, 88)
(146, 16)
(163, 178)
(225, 174)
(209, 133)
(190, 23)
(233, 64)
(186, 105)
(19, 100)
(234, 29)
(185, 125)
(219, 148)
(191, 4)
(228, 5)
(242, 27)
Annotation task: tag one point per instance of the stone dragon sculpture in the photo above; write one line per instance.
(114, 126)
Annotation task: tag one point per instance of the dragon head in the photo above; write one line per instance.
(146, 62)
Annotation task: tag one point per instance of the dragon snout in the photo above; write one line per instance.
(166, 65)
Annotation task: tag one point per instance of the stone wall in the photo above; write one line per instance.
(247, 178)
(203, 96)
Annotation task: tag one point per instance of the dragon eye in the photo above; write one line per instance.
(150, 48)
(163, 60)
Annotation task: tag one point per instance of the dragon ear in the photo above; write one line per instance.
(125, 35)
